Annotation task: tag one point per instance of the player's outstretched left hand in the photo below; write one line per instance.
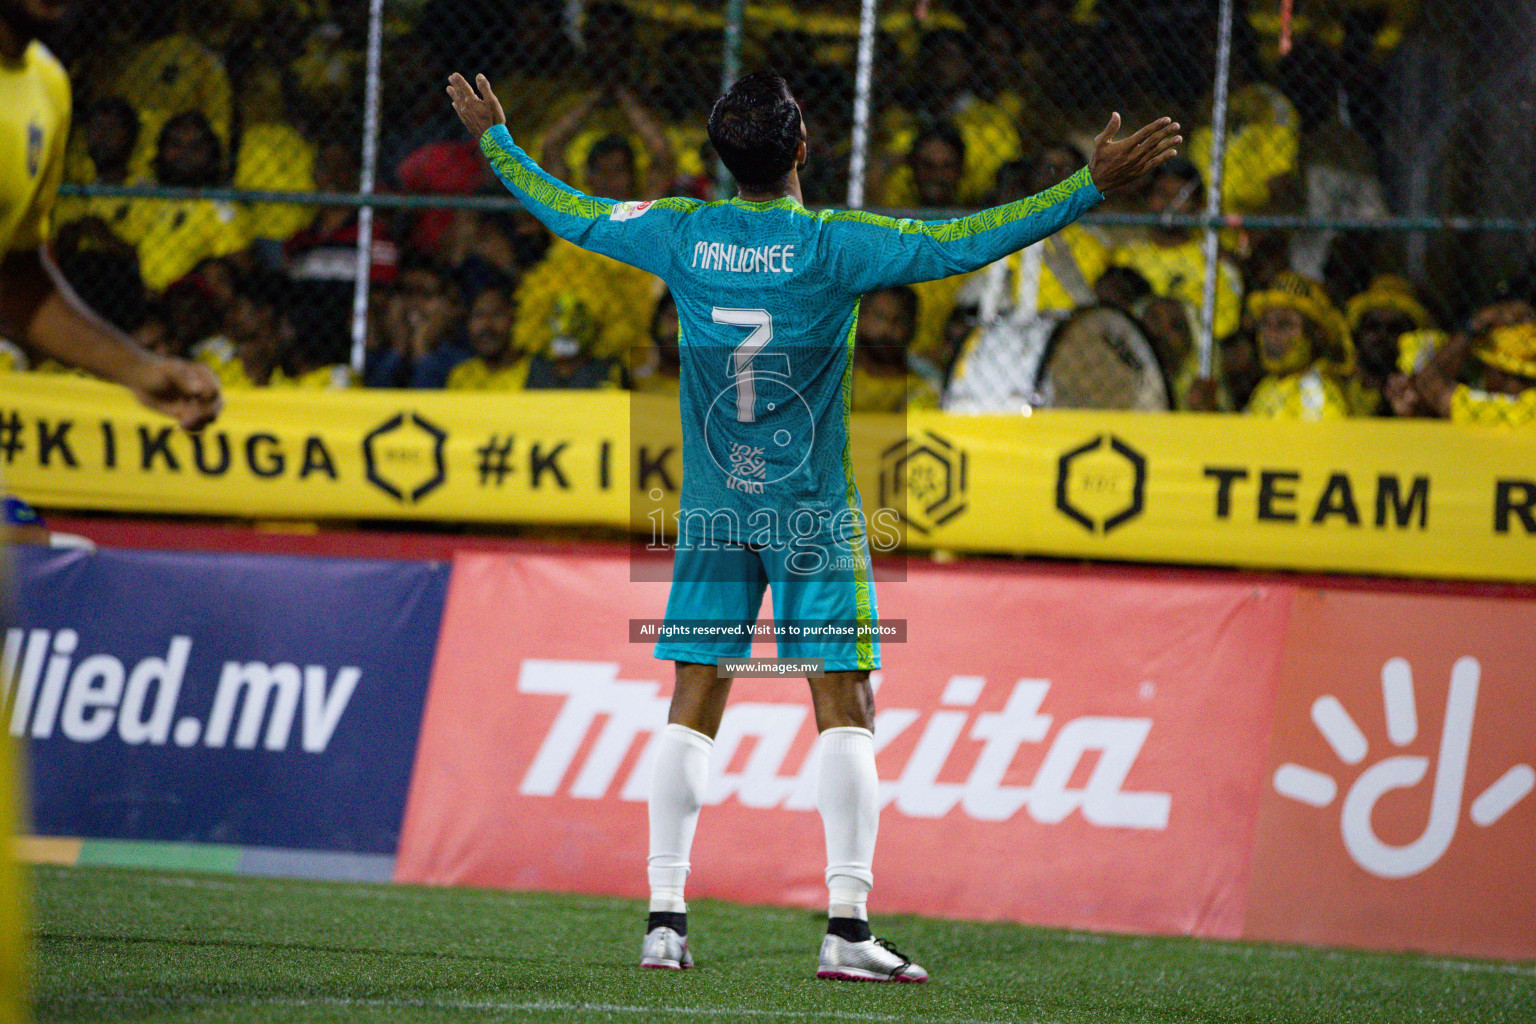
(478, 114)
(1114, 164)
(187, 392)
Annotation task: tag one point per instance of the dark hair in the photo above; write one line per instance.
(1183, 170)
(491, 280)
(1134, 284)
(213, 173)
(907, 296)
(944, 132)
(610, 144)
(268, 289)
(755, 127)
(419, 262)
(108, 281)
(115, 107)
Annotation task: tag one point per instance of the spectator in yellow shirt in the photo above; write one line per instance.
(573, 289)
(1297, 324)
(1508, 392)
(111, 132)
(1059, 271)
(882, 381)
(495, 365)
(257, 333)
(274, 157)
(613, 65)
(1263, 141)
(609, 165)
(1502, 344)
(1172, 259)
(1378, 318)
(601, 304)
(661, 372)
(173, 235)
(173, 74)
(936, 163)
(264, 343)
(943, 86)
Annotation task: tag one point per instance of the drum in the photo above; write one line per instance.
(1099, 357)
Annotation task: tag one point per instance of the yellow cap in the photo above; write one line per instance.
(1387, 291)
(1307, 297)
(1511, 349)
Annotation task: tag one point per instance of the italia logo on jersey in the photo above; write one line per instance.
(34, 148)
(629, 211)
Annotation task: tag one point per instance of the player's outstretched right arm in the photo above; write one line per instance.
(633, 233)
(874, 252)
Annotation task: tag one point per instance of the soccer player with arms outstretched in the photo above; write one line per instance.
(767, 295)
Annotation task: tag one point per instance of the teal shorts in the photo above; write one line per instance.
(825, 594)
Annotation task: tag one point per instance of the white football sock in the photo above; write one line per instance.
(848, 797)
(677, 793)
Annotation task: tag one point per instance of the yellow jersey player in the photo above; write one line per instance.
(39, 311)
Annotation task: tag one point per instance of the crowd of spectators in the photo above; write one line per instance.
(976, 102)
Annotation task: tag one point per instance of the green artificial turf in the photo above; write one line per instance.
(132, 945)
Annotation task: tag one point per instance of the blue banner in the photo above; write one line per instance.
(220, 698)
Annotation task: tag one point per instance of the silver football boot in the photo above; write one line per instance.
(871, 960)
(664, 949)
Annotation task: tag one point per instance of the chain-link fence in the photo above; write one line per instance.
(1376, 159)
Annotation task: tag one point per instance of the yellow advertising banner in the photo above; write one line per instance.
(537, 457)
(1402, 498)
(1409, 498)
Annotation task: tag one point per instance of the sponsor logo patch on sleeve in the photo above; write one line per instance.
(629, 211)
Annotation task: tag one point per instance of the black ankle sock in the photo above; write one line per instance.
(850, 928)
(667, 919)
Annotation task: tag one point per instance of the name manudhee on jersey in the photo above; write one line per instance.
(742, 259)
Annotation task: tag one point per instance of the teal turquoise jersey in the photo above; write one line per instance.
(768, 298)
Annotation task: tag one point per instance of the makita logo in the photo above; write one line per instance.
(624, 711)
(49, 687)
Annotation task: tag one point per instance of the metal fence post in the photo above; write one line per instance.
(858, 157)
(730, 70)
(1213, 187)
(365, 186)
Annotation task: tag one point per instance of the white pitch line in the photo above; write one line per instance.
(546, 1006)
(1436, 963)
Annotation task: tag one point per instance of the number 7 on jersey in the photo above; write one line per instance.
(739, 366)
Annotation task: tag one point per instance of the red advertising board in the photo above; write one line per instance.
(1397, 811)
(1085, 753)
